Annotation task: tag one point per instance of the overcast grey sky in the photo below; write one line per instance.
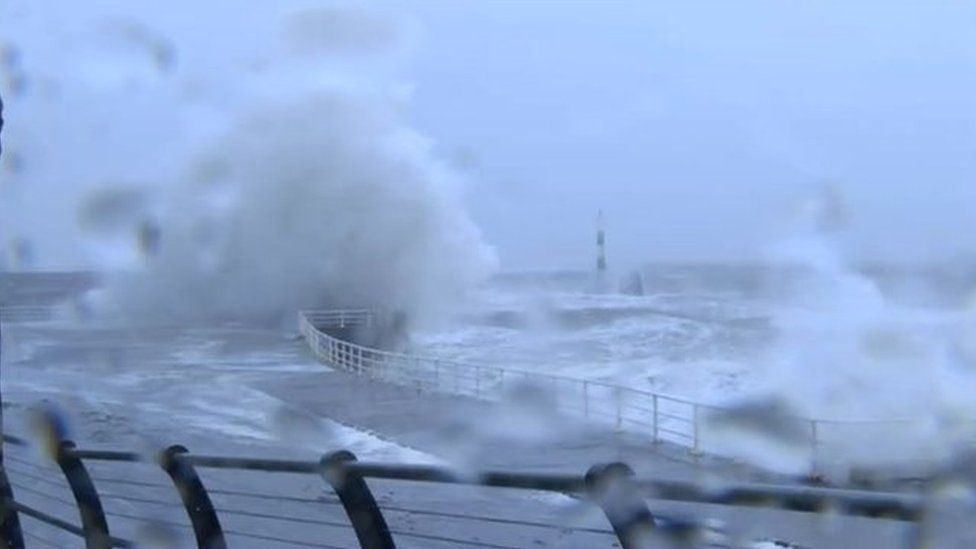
(698, 127)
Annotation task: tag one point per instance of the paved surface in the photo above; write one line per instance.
(134, 387)
(517, 434)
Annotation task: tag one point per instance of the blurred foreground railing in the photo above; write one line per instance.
(609, 487)
(822, 445)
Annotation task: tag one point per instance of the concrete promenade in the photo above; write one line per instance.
(222, 390)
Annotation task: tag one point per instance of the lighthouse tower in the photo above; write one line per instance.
(599, 283)
(601, 245)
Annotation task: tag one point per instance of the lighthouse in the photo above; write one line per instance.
(601, 245)
(598, 283)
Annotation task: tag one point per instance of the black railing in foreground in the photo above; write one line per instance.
(610, 486)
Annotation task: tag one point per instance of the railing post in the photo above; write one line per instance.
(418, 379)
(86, 497)
(609, 485)
(586, 399)
(654, 422)
(375, 365)
(11, 536)
(361, 508)
(696, 432)
(814, 442)
(618, 397)
(203, 517)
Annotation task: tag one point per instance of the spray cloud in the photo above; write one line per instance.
(324, 201)
(239, 180)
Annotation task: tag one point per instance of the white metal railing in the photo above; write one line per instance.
(661, 417)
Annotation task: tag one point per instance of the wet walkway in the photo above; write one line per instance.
(145, 389)
(518, 434)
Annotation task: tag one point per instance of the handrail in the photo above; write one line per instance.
(306, 318)
(489, 382)
(662, 416)
(896, 506)
(611, 487)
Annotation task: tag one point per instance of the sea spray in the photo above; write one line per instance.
(844, 349)
(239, 181)
(324, 202)
(877, 372)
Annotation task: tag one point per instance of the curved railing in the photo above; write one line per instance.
(663, 418)
(186, 504)
(53, 494)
